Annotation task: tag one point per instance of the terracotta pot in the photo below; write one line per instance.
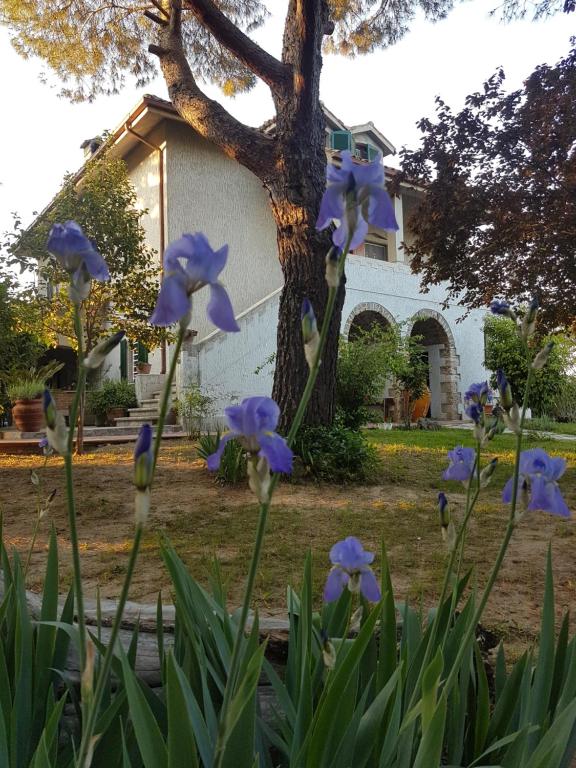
(421, 406)
(113, 414)
(144, 367)
(28, 415)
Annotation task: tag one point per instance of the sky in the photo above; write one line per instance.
(41, 133)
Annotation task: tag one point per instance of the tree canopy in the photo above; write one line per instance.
(91, 45)
(103, 202)
(499, 215)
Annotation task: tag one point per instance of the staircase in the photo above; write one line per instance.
(146, 413)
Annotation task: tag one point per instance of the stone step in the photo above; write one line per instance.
(143, 412)
(149, 403)
(135, 422)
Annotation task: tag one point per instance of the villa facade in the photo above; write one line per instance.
(186, 185)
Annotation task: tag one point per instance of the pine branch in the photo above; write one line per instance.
(247, 145)
(265, 66)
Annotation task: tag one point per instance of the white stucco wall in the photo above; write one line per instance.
(209, 192)
(143, 165)
(225, 364)
(394, 287)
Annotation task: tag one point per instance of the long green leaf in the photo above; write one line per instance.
(430, 750)
(181, 740)
(148, 735)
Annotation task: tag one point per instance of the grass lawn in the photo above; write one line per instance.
(204, 519)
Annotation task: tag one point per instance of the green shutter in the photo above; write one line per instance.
(372, 152)
(124, 359)
(341, 140)
(142, 353)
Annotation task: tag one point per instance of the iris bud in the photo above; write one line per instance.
(333, 268)
(487, 472)
(505, 390)
(97, 356)
(259, 478)
(56, 432)
(310, 334)
(542, 357)
(328, 651)
(143, 468)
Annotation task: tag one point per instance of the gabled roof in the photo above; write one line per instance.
(379, 139)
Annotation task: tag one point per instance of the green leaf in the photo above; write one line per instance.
(482, 719)
(181, 741)
(430, 750)
(430, 683)
(552, 746)
(148, 735)
(371, 721)
(177, 680)
(544, 673)
(387, 657)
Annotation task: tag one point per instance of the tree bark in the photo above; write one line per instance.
(291, 163)
(302, 252)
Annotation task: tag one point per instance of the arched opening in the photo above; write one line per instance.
(436, 338)
(366, 321)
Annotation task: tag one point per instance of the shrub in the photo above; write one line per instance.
(233, 464)
(368, 362)
(193, 407)
(112, 394)
(25, 390)
(564, 401)
(504, 350)
(336, 454)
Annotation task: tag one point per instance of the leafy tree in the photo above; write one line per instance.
(91, 44)
(504, 349)
(104, 204)
(499, 215)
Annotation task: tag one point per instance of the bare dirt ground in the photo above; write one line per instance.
(203, 519)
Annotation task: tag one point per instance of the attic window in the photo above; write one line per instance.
(366, 152)
(377, 251)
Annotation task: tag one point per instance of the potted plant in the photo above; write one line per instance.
(24, 388)
(112, 400)
(26, 398)
(144, 367)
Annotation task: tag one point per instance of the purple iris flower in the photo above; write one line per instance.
(479, 393)
(76, 253)
(355, 195)
(541, 472)
(475, 412)
(190, 264)
(351, 567)
(253, 423)
(462, 461)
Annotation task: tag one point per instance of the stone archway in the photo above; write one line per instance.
(443, 362)
(365, 316)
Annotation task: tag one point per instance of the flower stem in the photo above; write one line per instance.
(450, 680)
(71, 504)
(263, 518)
(166, 396)
(104, 671)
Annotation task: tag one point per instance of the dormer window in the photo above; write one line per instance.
(365, 152)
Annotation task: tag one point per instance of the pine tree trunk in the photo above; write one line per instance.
(302, 252)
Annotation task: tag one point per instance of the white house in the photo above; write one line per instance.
(187, 185)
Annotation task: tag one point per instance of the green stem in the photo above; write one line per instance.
(470, 504)
(71, 504)
(450, 680)
(104, 671)
(263, 518)
(166, 396)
